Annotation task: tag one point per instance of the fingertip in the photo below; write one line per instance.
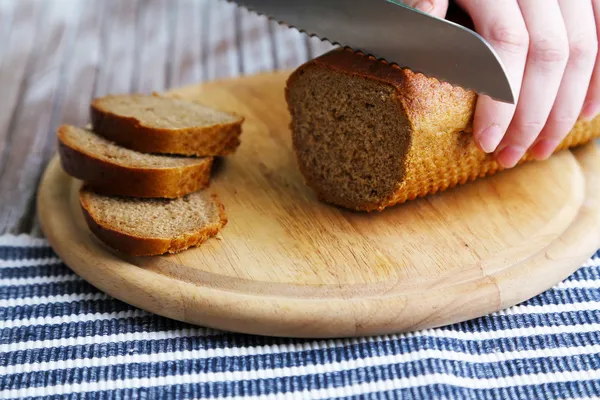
(590, 110)
(489, 139)
(509, 156)
(543, 149)
(490, 122)
(424, 5)
(437, 8)
(440, 8)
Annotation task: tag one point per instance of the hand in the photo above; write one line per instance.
(550, 51)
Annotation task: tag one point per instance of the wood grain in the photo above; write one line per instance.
(55, 55)
(289, 265)
(223, 58)
(152, 61)
(7, 8)
(290, 46)
(118, 48)
(27, 143)
(256, 44)
(17, 50)
(188, 59)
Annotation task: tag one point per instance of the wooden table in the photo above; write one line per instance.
(56, 55)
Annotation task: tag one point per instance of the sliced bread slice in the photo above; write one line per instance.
(146, 227)
(156, 124)
(111, 169)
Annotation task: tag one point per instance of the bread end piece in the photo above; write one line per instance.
(166, 125)
(116, 225)
(111, 170)
(369, 135)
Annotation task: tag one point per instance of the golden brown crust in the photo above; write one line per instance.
(146, 246)
(113, 179)
(442, 152)
(427, 100)
(216, 140)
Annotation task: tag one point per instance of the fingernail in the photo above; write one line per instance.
(424, 5)
(544, 148)
(510, 156)
(490, 138)
(590, 110)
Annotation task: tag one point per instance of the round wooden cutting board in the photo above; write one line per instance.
(288, 265)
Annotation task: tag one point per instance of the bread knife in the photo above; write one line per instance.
(398, 34)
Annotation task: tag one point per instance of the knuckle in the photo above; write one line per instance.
(549, 51)
(564, 119)
(583, 49)
(514, 39)
(562, 123)
(531, 128)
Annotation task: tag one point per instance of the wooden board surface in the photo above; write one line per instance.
(288, 265)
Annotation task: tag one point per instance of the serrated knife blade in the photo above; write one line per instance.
(398, 34)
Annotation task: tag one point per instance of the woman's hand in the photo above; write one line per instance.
(550, 51)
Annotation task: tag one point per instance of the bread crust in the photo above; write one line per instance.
(113, 179)
(129, 132)
(148, 246)
(442, 153)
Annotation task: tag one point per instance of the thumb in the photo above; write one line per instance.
(437, 8)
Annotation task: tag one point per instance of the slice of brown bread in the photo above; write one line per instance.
(156, 124)
(145, 227)
(111, 169)
(368, 135)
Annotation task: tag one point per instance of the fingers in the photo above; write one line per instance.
(550, 50)
(578, 17)
(502, 25)
(433, 7)
(591, 107)
(546, 62)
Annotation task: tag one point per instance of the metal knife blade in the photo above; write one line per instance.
(390, 30)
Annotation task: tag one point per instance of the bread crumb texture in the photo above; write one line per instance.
(154, 218)
(166, 125)
(147, 227)
(87, 141)
(163, 112)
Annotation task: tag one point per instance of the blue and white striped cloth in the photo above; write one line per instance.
(61, 338)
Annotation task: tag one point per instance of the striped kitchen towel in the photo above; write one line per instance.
(61, 338)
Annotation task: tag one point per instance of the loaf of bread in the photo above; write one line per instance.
(146, 227)
(108, 168)
(156, 124)
(368, 135)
